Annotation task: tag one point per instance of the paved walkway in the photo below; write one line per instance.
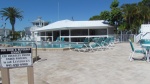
(101, 67)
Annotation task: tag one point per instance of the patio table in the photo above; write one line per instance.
(147, 47)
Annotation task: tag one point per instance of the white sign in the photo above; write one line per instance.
(16, 57)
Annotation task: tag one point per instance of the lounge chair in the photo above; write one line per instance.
(79, 47)
(62, 39)
(58, 39)
(112, 41)
(102, 43)
(93, 46)
(86, 40)
(141, 51)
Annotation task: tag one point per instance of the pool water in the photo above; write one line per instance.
(39, 44)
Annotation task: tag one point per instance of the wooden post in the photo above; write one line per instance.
(30, 75)
(5, 76)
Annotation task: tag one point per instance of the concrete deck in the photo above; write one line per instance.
(101, 67)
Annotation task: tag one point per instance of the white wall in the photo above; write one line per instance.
(145, 28)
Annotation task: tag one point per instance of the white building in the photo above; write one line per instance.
(74, 31)
(30, 33)
(144, 32)
(4, 33)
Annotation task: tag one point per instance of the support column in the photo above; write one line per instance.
(40, 36)
(107, 32)
(69, 35)
(45, 36)
(52, 36)
(88, 35)
(88, 32)
(60, 34)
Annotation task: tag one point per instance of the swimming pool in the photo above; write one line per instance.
(39, 44)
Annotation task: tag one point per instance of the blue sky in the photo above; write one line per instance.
(49, 10)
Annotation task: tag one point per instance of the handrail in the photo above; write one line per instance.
(36, 50)
(146, 33)
(138, 37)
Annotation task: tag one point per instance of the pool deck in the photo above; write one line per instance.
(101, 67)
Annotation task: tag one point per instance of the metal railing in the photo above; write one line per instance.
(35, 51)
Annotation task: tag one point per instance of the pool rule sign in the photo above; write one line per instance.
(15, 58)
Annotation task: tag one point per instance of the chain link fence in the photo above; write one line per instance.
(124, 37)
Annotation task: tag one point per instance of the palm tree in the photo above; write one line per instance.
(127, 13)
(12, 13)
(131, 15)
(134, 15)
(145, 11)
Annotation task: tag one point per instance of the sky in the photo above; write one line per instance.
(55, 10)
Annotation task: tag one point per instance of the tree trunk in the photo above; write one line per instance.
(13, 30)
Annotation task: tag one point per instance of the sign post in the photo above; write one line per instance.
(30, 77)
(5, 76)
(15, 58)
